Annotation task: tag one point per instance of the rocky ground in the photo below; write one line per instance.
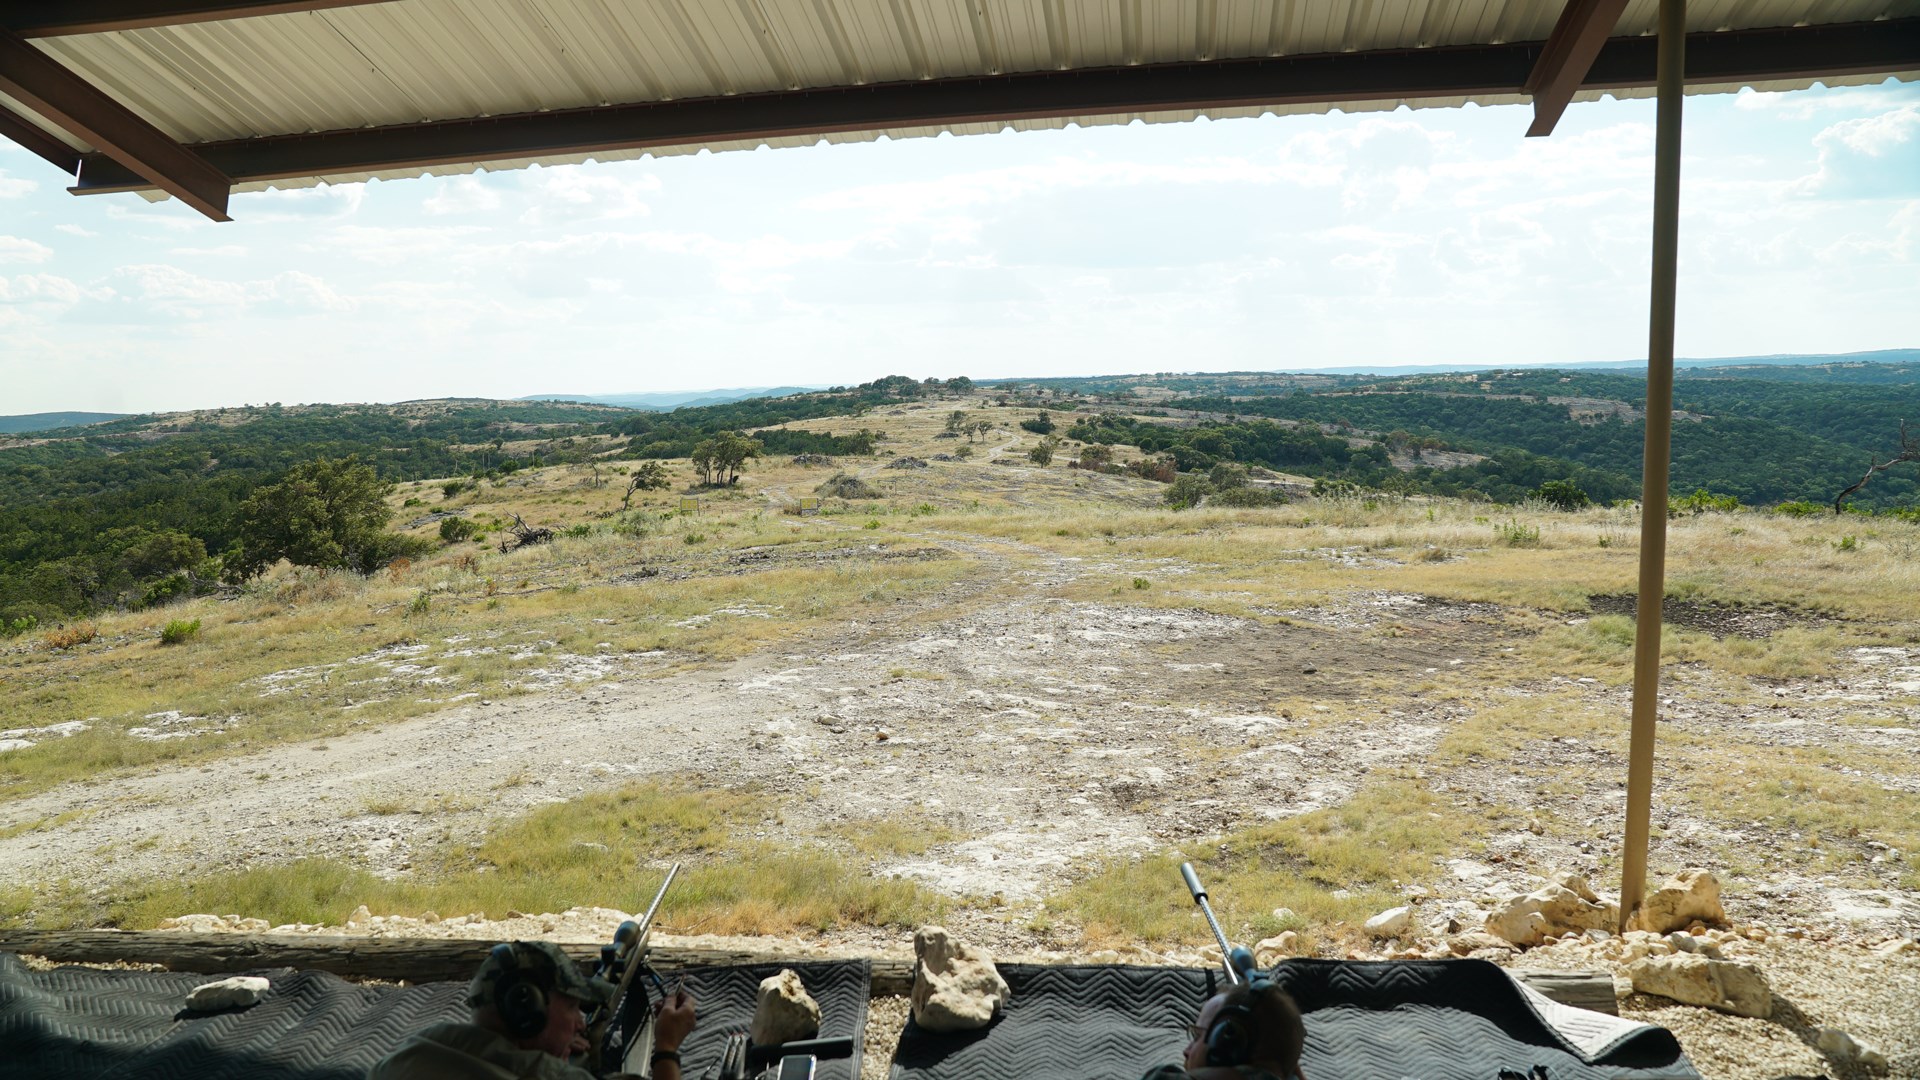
(1047, 733)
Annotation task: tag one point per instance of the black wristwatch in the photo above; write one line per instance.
(670, 1055)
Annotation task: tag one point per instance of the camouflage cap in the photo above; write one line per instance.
(546, 966)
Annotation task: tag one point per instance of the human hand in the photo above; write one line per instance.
(673, 1019)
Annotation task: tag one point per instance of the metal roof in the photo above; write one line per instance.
(412, 62)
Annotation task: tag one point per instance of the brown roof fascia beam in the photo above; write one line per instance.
(39, 18)
(86, 113)
(1731, 56)
(32, 137)
(1569, 53)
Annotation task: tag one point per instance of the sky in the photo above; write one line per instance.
(1432, 237)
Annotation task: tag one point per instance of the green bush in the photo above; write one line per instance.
(1799, 508)
(1041, 424)
(1516, 534)
(1242, 497)
(455, 529)
(1563, 495)
(16, 627)
(1703, 501)
(1187, 491)
(180, 631)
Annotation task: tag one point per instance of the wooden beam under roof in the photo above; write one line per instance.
(83, 111)
(1568, 55)
(1460, 71)
(38, 18)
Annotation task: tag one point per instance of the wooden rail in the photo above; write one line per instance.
(448, 959)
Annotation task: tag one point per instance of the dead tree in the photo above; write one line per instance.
(1909, 451)
(524, 535)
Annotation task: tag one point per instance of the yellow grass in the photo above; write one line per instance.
(607, 850)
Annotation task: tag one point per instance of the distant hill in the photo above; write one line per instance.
(1878, 356)
(686, 399)
(49, 421)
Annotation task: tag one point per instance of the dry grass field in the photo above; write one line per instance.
(1009, 696)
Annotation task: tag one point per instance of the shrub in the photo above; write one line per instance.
(179, 631)
(454, 487)
(1187, 492)
(1042, 454)
(1562, 495)
(453, 530)
(1243, 497)
(1515, 534)
(66, 637)
(1799, 508)
(420, 605)
(166, 590)
(1041, 424)
(18, 626)
(1703, 501)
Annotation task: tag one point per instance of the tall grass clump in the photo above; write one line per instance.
(179, 631)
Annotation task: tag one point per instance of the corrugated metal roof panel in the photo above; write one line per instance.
(423, 60)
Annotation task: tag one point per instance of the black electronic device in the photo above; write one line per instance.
(797, 1067)
(518, 996)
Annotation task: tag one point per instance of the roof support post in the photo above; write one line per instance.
(77, 107)
(1654, 465)
(1567, 57)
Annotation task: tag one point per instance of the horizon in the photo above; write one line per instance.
(597, 397)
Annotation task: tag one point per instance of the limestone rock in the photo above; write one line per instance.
(1841, 1046)
(361, 917)
(1475, 942)
(1554, 910)
(1692, 979)
(1391, 923)
(955, 986)
(239, 992)
(1270, 951)
(784, 1011)
(1680, 900)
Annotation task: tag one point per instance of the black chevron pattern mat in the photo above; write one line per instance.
(77, 1023)
(1421, 1020)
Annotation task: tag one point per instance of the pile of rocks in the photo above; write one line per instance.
(906, 463)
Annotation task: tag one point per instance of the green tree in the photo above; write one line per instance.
(331, 512)
(649, 476)
(1187, 491)
(1562, 495)
(1042, 454)
(1041, 424)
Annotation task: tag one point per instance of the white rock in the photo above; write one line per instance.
(1270, 951)
(1682, 898)
(1391, 923)
(955, 986)
(360, 917)
(196, 924)
(1841, 1046)
(1550, 911)
(1698, 980)
(239, 992)
(784, 1011)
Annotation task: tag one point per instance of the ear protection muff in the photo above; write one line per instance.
(1230, 1039)
(518, 996)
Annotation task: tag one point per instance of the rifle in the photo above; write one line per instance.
(1236, 959)
(619, 963)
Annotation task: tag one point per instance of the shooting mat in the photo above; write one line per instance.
(1436, 1020)
(76, 1023)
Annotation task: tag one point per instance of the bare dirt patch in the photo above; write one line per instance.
(1720, 620)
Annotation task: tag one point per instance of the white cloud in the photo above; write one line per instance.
(587, 193)
(14, 187)
(461, 195)
(75, 230)
(222, 251)
(38, 288)
(21, 250)
(1868, 157)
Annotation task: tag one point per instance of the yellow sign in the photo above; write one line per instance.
(689, 505)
